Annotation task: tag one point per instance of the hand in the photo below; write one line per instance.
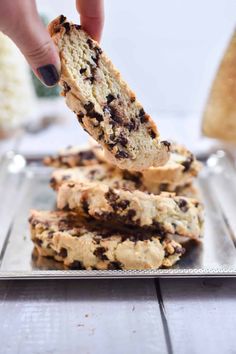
(20, 21)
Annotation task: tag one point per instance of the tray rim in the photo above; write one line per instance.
(119, 274)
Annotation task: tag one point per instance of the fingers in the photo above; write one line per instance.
(91, 17)
(32, 38)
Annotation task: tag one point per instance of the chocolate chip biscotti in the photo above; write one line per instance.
(116, 178)
(165, 213)
(82, 245)
(105, 106)
(100, 173)
(180, 169)
(72, 156)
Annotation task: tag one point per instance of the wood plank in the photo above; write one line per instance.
(104, 316)
(201, 314)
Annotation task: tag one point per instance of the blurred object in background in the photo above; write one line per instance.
(16, 91)
(40, 89)
(219, 120)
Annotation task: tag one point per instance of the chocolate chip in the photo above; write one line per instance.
(135, 177)
(91, 79)
(90, 43)
(123, 204)
(110, 146)
(78, 27)
(66, 87)
(92, 173)
(76, 265)
(122, 154)
(89, 107)
(141, 112)
(111, 196)
(98, 50)
(85, 206)
(183, 205)
(114, 265)
(179, 250)
(66, 208)
(122, 140)
(187, 163)
(96, 115)
(80, 117)
(163, 187)
(50, 234)
(53, 181)
(66, 25)
(87, 155)
(82, 70)
(63, 252)
(110, 98)
(100, 136)
(143, 116)
(62, 19)
(71, 185)
(152, 134)
(131, 125)
(113, 114)
(112, 136)
(38, 241)
(167, 144)
(99, 252)
(131, 213)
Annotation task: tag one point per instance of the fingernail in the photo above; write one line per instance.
(48, 74)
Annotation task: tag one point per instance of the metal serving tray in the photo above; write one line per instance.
(24, 185)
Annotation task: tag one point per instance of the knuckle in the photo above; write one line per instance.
(39, 52)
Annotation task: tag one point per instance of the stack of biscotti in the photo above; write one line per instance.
(115, 209)
(109, 218)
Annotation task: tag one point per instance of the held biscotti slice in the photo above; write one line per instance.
(81, 245)
(219, 119)
(105, 106)
(165, 213)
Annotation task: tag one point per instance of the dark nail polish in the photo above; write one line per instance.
(48, 74)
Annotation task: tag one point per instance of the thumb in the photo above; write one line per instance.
(35, 43)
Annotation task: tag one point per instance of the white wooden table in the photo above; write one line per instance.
(143, 316)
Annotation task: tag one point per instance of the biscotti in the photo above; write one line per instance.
(175, 176)
(116, 178)
(82, 245)
(72, 156)
(165, 213)
(105, 106)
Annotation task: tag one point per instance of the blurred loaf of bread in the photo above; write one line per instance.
(16, 93)
(219, 119)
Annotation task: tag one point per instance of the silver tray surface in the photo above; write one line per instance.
(24, 185)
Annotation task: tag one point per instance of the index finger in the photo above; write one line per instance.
(91, 17)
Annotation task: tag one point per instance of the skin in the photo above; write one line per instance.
(19, 19)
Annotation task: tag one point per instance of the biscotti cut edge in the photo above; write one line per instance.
(108, 109)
